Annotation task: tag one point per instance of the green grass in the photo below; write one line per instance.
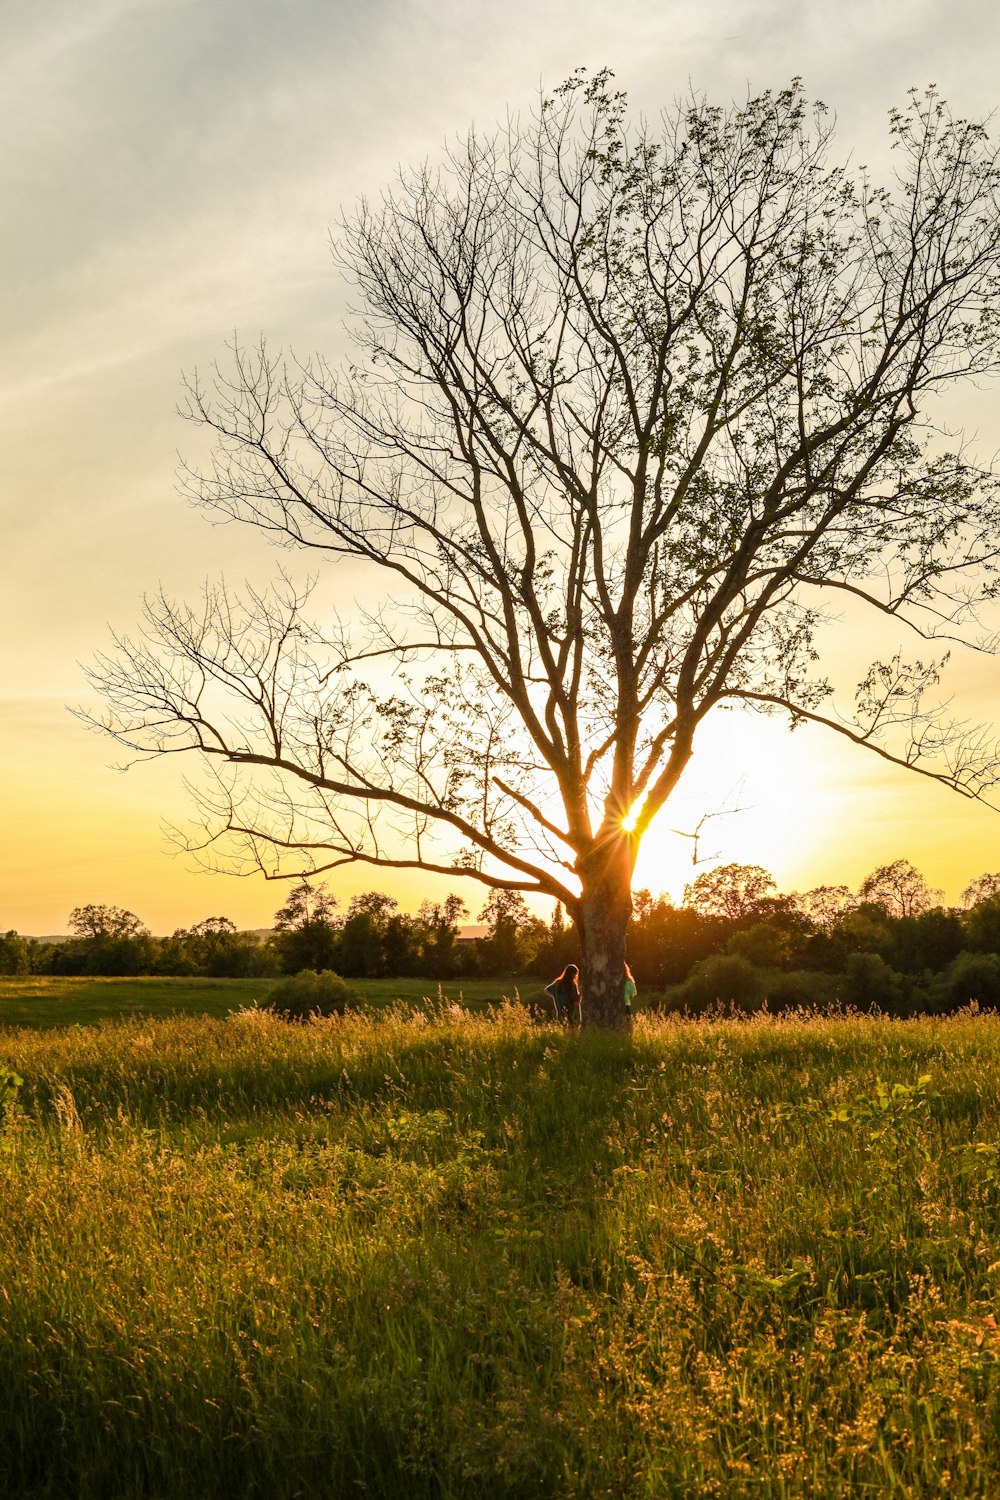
(43, 1000)
(447, 1255)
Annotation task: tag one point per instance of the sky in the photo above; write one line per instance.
(171, 172)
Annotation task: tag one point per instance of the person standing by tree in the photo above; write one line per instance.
(629, 990)
(565, 992)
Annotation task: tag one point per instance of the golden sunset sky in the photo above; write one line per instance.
(171, 171)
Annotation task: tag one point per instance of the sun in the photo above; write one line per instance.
(751, 795)
(631, 818)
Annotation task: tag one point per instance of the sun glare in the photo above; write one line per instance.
(631, 818)
(746, 798)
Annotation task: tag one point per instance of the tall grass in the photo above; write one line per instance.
(453, 1255)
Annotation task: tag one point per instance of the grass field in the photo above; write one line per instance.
(459, 1256)
(43, 1000)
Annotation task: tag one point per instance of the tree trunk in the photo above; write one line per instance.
(602, 916)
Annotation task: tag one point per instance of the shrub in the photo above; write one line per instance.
(308, 993)
(724, 978)
(973, 976)
(809, 988)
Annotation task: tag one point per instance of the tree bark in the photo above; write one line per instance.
(602, 917)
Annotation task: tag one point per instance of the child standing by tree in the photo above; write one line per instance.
(629, 990)
(565, 991)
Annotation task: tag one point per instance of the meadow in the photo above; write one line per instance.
(441, 1254)
(47, 1000)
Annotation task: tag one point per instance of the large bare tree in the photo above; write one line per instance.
(628, 405)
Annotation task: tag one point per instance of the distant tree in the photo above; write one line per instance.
(375, 904)
(105, 922)
(306, 930)
(306, 903)
(559, 947)
(513, 934)
(736, 892)
(982, 926)
(629, 407)
(868, 928)
(983, 888)
(928, 941)
(107, 940)
(973, 976)
(761, 945)
(216, 947)
(401, 945)
(15, 956)
(665, 941)
(362, 942)
(439, 932)
(872, 983)
(900, 889)
(215, 928)
(825, 903)
(174, 955)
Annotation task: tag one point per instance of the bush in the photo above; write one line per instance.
(809, 988)
(729, 979)
(308, 994)
(724, 978)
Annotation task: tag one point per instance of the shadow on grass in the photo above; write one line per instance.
(455, 1256)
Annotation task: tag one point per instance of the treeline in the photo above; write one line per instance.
(734, 939)
(371, 939)
(891, 946)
